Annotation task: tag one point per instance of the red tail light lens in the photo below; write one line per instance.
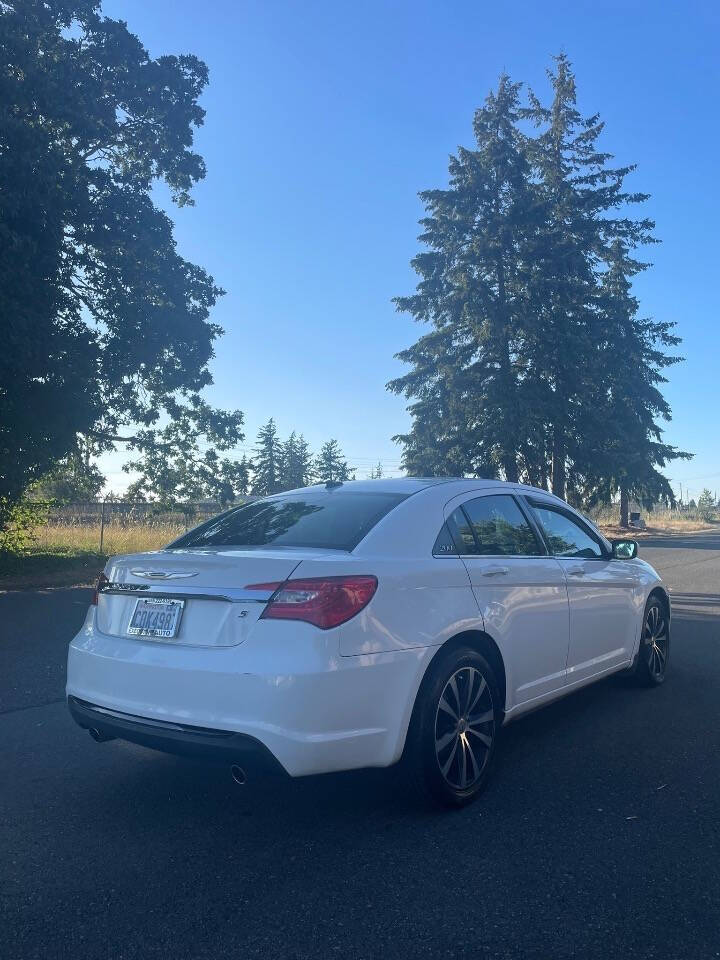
(101, 583)
(323, 601)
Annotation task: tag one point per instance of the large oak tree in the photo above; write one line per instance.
(105, 326)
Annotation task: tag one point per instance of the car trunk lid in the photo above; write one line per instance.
(221, 592)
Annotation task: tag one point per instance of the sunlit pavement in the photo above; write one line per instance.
(598, 837)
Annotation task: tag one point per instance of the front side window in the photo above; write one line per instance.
(500, 528)
(331, 519)
(565, 536)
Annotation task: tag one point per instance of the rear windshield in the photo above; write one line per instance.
(333, 519)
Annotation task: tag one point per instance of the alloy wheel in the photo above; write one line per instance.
(464, 728)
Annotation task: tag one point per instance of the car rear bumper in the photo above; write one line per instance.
(188, 741)
(286, 689)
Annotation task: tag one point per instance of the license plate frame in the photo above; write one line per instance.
(166, 629)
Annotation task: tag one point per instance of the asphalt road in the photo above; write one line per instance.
(597, 839)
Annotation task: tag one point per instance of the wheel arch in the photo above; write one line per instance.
(484, 644)
(662, 594)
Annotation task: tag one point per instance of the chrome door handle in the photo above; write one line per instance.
(495, 571)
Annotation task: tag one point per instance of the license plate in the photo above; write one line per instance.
(156, 618)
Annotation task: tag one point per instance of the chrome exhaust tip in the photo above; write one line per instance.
(238, 775)
(99, 737)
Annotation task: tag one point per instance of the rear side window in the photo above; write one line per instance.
(455, 537)
(461, 532)
(500, 528)
(331, 519)
(444, 545)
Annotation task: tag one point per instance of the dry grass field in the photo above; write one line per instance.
(117, 537)
(657, 523)
(62, 554)
(65, 552)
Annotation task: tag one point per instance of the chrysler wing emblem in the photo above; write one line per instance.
(163, 574)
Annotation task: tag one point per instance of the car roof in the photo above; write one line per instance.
(410, 485)
(399, 485)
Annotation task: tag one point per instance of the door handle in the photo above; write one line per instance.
(577, 571)
(495, 571)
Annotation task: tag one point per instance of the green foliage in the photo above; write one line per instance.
(330, 464)
(106, 325)
(296, 463)
(174, 470)
(621, 421)
(537, 366)
(75, 477)
(706, 505)
(473, 290)
(17, 523)
(267, 462)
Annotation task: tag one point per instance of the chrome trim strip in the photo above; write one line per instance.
(224, 594)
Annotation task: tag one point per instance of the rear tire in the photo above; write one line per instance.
(654, 652)
(453, 731)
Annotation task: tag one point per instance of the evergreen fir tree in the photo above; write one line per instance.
(537, 366)
(330, 464)
(266, 463)
(622, 417)
(467, 409)
(295, 463)
(579, 195)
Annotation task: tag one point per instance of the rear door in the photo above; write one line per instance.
(520, 590)
(603, 620)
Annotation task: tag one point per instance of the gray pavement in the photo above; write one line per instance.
(597, 839)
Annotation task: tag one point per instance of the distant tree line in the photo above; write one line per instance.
(538, 365)
(275, 465)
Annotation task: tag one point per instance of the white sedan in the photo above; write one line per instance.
(357, 624)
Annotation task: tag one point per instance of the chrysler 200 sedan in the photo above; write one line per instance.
(365, 623)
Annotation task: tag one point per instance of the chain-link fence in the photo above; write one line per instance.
(118, 526)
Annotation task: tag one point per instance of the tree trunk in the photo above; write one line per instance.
(509, 439)
(558, 464)
(510, 468)
(624, 506)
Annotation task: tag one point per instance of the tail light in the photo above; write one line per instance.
(323, 601)
(101, 583)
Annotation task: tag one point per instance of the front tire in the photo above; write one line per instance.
(654, 652)
(453, 731)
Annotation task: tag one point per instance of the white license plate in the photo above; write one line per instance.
(156, 618)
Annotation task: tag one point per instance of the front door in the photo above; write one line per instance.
(601, 590)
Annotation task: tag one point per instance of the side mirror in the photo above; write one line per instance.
(624, 549)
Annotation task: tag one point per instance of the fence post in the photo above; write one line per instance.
(102, 525)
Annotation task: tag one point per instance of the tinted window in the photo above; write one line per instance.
(333, 519)
(500, 527)
(444, 545)
(565, 536)
(461, 532)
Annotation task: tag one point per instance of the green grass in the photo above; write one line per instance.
(36, 568)
(63, 554)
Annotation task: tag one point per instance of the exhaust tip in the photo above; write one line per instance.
(99, 737)
(238, 775)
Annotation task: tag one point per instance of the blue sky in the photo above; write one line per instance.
(325, 119)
